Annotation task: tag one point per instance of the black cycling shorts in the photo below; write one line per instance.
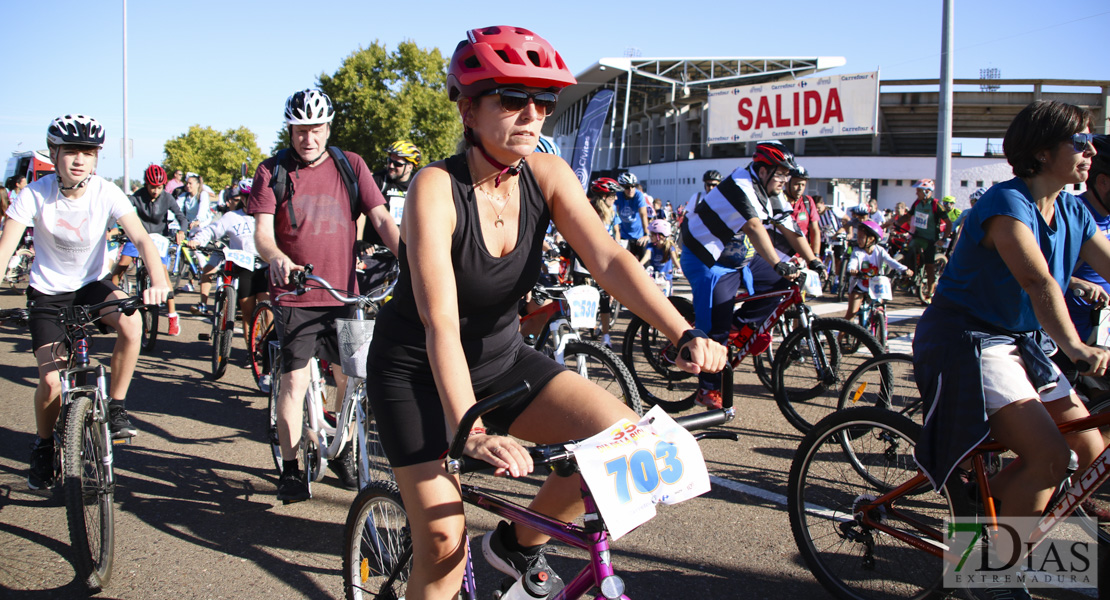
(252, 282)
(408, 402)
(45, 329)
(309, 331)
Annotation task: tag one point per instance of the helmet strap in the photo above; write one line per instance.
(511, 170)
(76, 186)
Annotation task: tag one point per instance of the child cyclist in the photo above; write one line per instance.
(661, 254)
(865, 262)
(239, 229)
(70, 211)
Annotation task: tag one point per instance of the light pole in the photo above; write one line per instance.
(944, 116)
(126, 162)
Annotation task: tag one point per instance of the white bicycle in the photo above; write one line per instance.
(326, 434)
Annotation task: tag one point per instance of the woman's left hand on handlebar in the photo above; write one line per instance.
(501, 451)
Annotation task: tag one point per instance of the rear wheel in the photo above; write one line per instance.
(811, 367)
(374, 463)
(841, 466)
(600, 365)
(650, 358)
(262, 332)
(377, 547)
(885, 381)
(88, 494)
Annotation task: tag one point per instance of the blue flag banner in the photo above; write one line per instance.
(589, 132)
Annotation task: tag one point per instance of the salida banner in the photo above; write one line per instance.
(813, 107)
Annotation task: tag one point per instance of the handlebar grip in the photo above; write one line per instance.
(489, 404)
(1083, 366)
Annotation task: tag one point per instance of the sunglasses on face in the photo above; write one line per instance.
(514, 100)
(397, 164)
(1080, 141)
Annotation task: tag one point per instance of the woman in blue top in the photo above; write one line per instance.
(980, 350)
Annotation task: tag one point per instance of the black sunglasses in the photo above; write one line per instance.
(514, 100)
(398, 163)
(1080, 141)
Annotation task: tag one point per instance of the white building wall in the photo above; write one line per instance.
(676, 182)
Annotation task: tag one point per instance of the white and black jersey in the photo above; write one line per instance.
(720, 214)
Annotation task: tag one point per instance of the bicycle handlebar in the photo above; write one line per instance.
(79, 314)
(301, 278)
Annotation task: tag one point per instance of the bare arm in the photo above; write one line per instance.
(9, 240)
(797, 242)
(133, 227)
(815, 235)
(382, 222)
(1019, 249)
(266, 245)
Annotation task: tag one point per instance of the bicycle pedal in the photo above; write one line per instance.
(204, 337)
(122, 441)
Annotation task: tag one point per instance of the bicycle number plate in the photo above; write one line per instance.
(920, 220)
(239, 258)
(879, 288)
(160, 242)
(397, 208)
(582, 301)
(631, 467)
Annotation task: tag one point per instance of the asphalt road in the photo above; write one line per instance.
(197, 518)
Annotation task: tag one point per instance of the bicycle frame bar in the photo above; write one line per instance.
(347, 412)
(596, 543)
(790, 297)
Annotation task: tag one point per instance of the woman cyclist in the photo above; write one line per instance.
(476, 221)
(980, 350)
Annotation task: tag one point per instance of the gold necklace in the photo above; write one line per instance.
(503, 199)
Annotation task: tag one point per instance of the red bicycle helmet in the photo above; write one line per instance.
(775, 154)
(501, 54)
(605, 185)
(155, 175)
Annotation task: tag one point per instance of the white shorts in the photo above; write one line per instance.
(1005, 380)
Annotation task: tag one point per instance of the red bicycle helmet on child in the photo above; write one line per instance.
(490, 56)
(155, 175)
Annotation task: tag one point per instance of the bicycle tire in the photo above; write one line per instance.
(603, 367)
(150, 315)
(922, 285)
(377, 546)
(262, 332)
(1099, 500)
(892, 388)
(88, 495)
(851, 560)
(223, 330)
(842, 288)
(879, 326)
(808, 378)
(649, 356)
(373, 463)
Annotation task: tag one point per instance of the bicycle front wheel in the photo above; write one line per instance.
(150, 315)
(885, 381)
(223, 328)
(810, 368)
(373, 463)
(88, 494)
(258, 346)
(377, 548)
(601, 366)
(650, 358)
(271, 412)
(848, 460)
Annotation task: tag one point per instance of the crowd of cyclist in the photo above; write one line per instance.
(469, 233)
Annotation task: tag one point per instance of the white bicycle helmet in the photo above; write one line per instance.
(628, 179)
(309, 107)
(660, 226)
(977, 194)
(75, 130)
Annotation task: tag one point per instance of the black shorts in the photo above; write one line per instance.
(45, 328)
(305, 332)
(252, 283)
(406, 403)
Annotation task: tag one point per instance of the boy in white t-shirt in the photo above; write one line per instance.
(70, 211)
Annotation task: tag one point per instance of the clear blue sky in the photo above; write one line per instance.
(232, 63)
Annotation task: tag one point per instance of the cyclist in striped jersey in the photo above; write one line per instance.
(749, 201)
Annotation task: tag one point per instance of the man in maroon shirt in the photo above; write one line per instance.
(805, 210)
(313, 225)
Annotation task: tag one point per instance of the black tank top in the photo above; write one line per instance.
(488, 286)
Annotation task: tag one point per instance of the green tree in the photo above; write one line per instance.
(381, 97)
(215, 156)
